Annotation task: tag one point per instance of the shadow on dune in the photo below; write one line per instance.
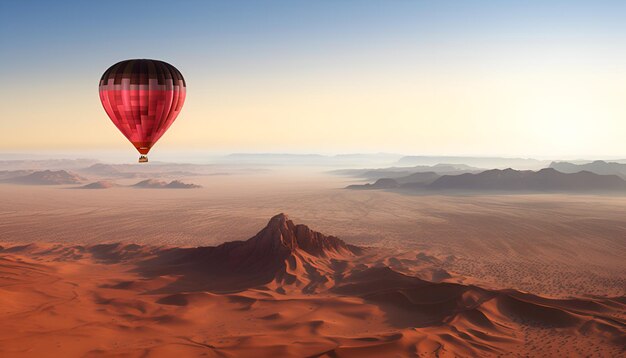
(282, 252)
(411, 302)
(288, 262)
(285, 256)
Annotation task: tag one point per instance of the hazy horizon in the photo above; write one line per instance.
(182, 154)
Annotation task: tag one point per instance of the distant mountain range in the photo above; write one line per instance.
(481, 162)
(8, 174)
(46, 177)
(102, 170)
(507, 180)
(399, 172)
(547, 179)
(106, 170)
(598, 167)
(62, 177)
(412, 180)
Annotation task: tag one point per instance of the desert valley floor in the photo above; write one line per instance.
(409, 275)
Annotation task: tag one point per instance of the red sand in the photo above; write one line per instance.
(288, 291)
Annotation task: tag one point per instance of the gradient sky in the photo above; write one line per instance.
(523, 78)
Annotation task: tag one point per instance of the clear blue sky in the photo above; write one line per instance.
(83, 34)
(408, 71)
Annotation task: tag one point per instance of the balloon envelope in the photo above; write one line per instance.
(142, 98)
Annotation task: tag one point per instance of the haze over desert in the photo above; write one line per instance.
(98, 272)
(312, 179)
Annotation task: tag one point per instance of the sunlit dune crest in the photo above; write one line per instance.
(312, 294)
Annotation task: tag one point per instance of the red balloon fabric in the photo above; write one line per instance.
(142, 98)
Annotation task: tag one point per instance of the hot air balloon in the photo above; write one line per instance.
(142, 98)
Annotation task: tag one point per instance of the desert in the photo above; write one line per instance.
(287, 291)
(344, 273)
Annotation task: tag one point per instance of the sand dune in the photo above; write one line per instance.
(287, 291)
